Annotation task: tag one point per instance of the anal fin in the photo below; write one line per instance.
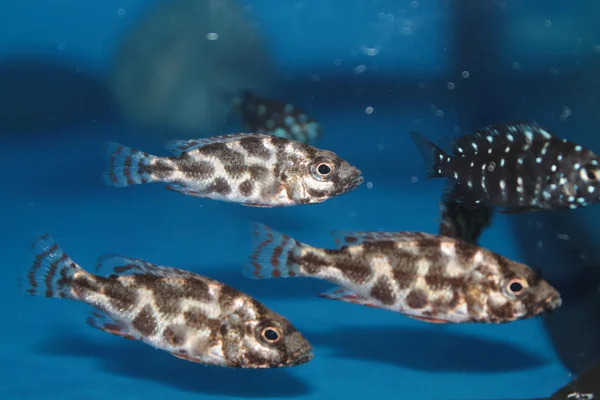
(184, 356)
(103, 322)
(429, 320)
(518, 209)
(342, 294)
(257, 205)
(176, 187)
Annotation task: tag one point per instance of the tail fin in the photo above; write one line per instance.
(274, 254)
(52, 270)
(127, 166)
(436, 160)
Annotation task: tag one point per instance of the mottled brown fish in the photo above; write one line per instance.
(188, 315)
(423, 276)
(274, 117)
(247, 168)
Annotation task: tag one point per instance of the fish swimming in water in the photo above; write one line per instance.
(427, 277)
(252, 169)
(274, 117)
(517, 166)
(464, 223)
(188, 315)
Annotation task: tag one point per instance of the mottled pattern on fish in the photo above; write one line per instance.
(274, 117)
(464, 223)
(190, 316)
(518, 166)
(251, 169)
(427, 277)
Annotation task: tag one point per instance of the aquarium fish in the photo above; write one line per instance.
(275, 117)
(464, 223)
(517, 166)
(247, 168)
(423, 276)
(188, 315)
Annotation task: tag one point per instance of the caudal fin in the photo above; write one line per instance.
(436, 160)
(274, 255)
(51, 273)
(126, 166)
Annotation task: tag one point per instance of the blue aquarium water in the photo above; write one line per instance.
(369, 72)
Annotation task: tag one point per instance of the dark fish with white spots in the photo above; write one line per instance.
(187, 315)
(518, 166)
(275, 117)
(427, 277)
(464, 223)
(252, 169)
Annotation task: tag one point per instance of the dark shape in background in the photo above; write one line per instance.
(426, 349)
(40, 95)
(575, 327)
(136, 360)
(495, 93)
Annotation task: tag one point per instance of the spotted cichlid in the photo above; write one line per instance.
(188, 315)
(251, 169)
(464, 223)
(275, 117)
(518, 166)
(426, 277)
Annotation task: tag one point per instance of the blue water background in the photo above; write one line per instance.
(58, 52)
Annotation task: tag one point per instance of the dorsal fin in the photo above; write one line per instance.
(349, 238)
(178, 147)
(498, 135)
(121, 265)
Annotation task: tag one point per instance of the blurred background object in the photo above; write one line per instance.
(180, 66)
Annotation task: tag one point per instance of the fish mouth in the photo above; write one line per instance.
(355, 183)
(552, 303)
(301, 358)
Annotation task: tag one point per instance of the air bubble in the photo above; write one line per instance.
(414, 4)
(450, 85)
(360, 69)
(547, 23)
(516, 65)
(414, 179)
(369, 185)
(439, 113)
(465, 74)
(62, 46)
(121, 12)
(212, 36)
(369, 110)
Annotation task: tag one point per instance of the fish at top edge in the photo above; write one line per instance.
(274, 117)
(252, 169)
(516, 166)
(185, 314)
(426, 277)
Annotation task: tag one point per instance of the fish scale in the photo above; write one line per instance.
(426, 277)
(251, 169)
(187, 315)
(517, 166)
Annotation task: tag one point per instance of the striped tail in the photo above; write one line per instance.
(127, 166)
(275, 255)
(52, 271)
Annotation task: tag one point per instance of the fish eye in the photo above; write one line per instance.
(271, 334)
(516, 286)
(590, 174)
(323, 168)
